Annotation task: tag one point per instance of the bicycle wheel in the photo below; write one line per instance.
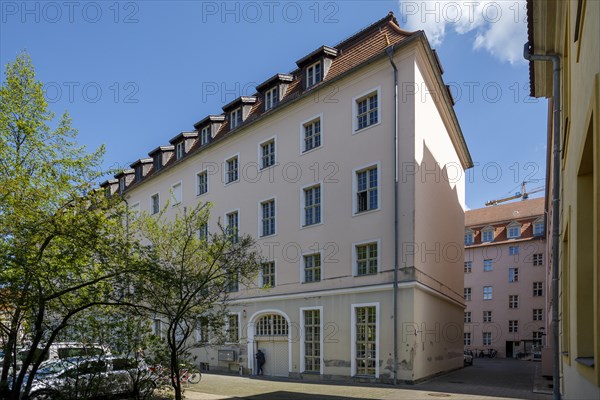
(195, 378)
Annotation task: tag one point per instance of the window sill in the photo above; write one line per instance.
(311, 225)
(311, 150)
(201, 194)
(587, 361)
(232, 182)
(356, 214)
(268, 236)
(363, 275)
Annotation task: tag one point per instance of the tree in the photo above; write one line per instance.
(63, 245)
(193, 274)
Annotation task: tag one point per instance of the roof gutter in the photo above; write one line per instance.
(555, 58)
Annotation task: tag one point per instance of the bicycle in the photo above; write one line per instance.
(164, 376)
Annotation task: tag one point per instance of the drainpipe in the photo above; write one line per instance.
(555, 58)
(390, 53)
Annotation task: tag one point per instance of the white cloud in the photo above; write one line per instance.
(499, 27)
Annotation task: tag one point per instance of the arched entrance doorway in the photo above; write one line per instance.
(269, 330)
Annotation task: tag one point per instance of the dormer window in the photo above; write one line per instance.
(313, 74)
(538, 227)
(138, 173)
(235, 118)
(514, 230)
(179, 150)
(271, 98)
(469, 237)
(205, 135)
(487, 234)
(157, 162)
(122, 185)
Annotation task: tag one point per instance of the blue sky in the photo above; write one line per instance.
(133, 74)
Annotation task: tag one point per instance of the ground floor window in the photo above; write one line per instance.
(366, 336)
(312, 340)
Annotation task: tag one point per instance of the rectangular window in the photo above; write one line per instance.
(155, 203)
(487, 316)
(312, 340)
(233, 328)
(514, 232)
(312, 205)
(268, 218)
(538, 289)
(367, 113)
(487, 265)
(468, 267)
(201, 183)
(513, 301)
(312, 268)
(513, 250)
(139, 173)
(205, 135)
(232, 168)
(513, 275)
(366, 259)
(487, 292)
(202, 331)
(487, 236)
(177, 193)
(367, 190)
(122, 185)
(157, 162)
(467, 318)
(312, 135)
(235, 118)
(538, 229)
(203, 232)
(467, 338)
(513, 326)
(271, 98)
(232, 283)
(537, 314)
(267, 154)
(469, 238)
(538, 260)
(157, 327)
(366, 340)
(233, 226)
(268, 274)
(487, 338)
(179, 150)
(467, 294)
(313, 74)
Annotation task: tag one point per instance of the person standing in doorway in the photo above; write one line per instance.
(260, 361)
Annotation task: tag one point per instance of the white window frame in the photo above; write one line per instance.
(513, 250)
(322, 335)
(152, 210)
(205, 135)
(226, 220)
(513, 305)
(376, 241)
(488, 266)
(205, 171)
(491, 294)
(261, 166)
(537, 316)
(487, 229)
(510, 230)
(515, 274)
(468, 267)
(537, 259)
(467, 339)
(353, 308)
(271, 98)
(470, 294)
(469, 233)
(233, 118)
(303, 205)
(302, 266)
(485, 335)
(260, 217)
(179, 150)
(303, 124)
(488, 316)
(200, 233)
(199, 336)
(311, 77)
(539, 223)
(174, 193)
(355, 100)
(239, 328)
(467, 317)
(226, 169)
(355, 172)
(261, 283)
(513, 326)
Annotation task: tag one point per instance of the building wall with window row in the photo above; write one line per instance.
(309, 170)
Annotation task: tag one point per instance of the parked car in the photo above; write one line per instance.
(64, 350)
(468, 358)
(92, 377)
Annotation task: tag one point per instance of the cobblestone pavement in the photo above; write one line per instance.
(487, 379)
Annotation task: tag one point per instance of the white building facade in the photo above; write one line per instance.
(309, 167)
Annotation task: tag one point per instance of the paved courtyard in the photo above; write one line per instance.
(486, 379)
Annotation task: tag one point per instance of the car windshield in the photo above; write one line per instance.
(54, 367)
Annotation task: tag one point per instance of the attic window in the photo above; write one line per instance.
(235, 118)
(514, 230)
(313, 74)
(157, 162)
(138, 173)
(487, 234)
(122, 185)
(205, 135)
(179, 150)
(271, 98)
(469, 237)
